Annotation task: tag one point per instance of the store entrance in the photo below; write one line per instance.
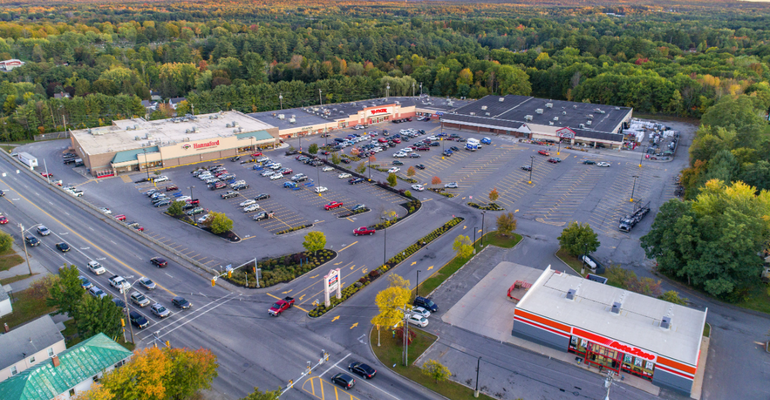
(604, 357)
(380, 119)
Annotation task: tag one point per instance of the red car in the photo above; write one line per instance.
(257, 154)
(382, 140)
(193, 201)
(332, 205)
(120, 217)
(172, 187)
(287, 171)
(218, 174)
(3, 220)
(544, 153)
(46, 175)
(363, 231)
(397, 141)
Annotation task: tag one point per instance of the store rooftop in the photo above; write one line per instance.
(637, 324)
(128, 134)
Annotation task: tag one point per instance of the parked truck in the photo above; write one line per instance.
(629, 221)
(281, 306)
(28, 160)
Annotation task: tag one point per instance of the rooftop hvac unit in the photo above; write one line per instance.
(194, 129)
(555, 118)
(539, 111)
(548, 105)
(473, 113)
(174, 120)
(665, 323)
(227, 125)
(281, 116)
(602, 112)
(396, 102)
(502, 99)
(186, 131)
(582, 126)
(293, 116)
(137, 138)
(550, 122)
(148, 136)
(616, 307)
(574, 106)
(215, 116)
(617, 108)
(292, 120)
(484, 107)
(571, 294)
(527, 118)
(588, 122)
(590, 116)
(235, 124)
(187, 139)
(487, 113)
(563, 113)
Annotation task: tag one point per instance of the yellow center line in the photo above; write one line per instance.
(340, 250)
(86, 240)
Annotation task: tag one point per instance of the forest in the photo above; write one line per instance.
(89, 63)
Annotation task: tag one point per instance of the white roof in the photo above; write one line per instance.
(638, 323)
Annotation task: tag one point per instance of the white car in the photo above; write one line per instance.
(203, 218)
(327, 169)
(253, 207)
(161, 178)
(452, 185)
(321, 189)
(602, 164)
(118, 282)
(399, 155)
(419, 320)
(393, 170)
(267, 173)
(247, 203)
(105, 210)
(96, 268)
(205, 177)
(432, 138)
(183, 198)
(418, 188)
(263, 159)
(276, 166)
(421, 311)
(343, 175)
(276, 176)
(406, 150)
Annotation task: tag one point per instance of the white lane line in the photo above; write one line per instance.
(367, 382)
(186, 315)
(196, 317)
(333, 366)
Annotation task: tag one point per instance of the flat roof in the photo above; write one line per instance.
(27, 340)
(130, 134)
(638, 323)
(603, 118)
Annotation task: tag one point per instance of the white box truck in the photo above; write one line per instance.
(28, 160)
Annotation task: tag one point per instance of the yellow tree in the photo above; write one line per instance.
(142, 378)
(391, 302)
(494, 195)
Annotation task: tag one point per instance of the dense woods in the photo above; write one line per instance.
(243, 55)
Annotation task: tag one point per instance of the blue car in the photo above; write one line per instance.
(486, 140)
(290, 184)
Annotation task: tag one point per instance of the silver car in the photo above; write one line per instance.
(159, 310)
(147, 283)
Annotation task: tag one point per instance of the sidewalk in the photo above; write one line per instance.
(22, 269)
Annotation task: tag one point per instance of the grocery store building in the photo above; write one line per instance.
(529, 117)
(612, 328)
(137, 144)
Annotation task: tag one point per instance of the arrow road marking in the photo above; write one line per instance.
(354, 325)
(352, 266)
(336, 264)
(288, 291)
(413, 262)
(465, 226)
(430, 268)
(314, 276)
(363, 271)
(302, 297)
(335, 318)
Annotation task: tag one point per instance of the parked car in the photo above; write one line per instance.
(355, 181)
(119, 303)
(327, 169)
(393, 170)
(276, 177)
(96, 292)
(251, 208)
(195, 211)
(543, 153)
(418, 320)
(363, 231)
(421, 311)
(262, 196)
(344, 380)
(419, 166)
(589, 162)
(425, 303)
(602, 164)
(332, 205)
(161, 178)
(554, 160)
(229, 194)
(171, 188)
(344, 175)
(321, 189)
(358, 207)
(418, 188)
(526, 168)
(180, 302)
(362, 369)
(451, 185)
(262, 215)
(247, 202)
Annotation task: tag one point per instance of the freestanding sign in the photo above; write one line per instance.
(332, 283)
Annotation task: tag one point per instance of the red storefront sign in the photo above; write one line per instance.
(212, 143)
(379, 111)
(614, 344)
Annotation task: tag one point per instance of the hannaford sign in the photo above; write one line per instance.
(566, 133)
(614, 344)
(211, 143)
(378, 111)
(187, 146)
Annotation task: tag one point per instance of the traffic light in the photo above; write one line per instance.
(123, 322)
(213, 282)
(168, 344)
(229, 273)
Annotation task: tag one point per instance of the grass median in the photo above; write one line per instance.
(389, 353)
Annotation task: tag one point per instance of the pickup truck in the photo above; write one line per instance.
(281, 306)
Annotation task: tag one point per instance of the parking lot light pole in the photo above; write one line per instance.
(558, 150)
(633, 188)
(191, 191)
(25, 248)
(585, 253)
(481, 239)
(644, 150)
(385, 245)
(474, 239)
(531, 164)
(478, 368)
(146, 168)
(280, 98)
(417, 288)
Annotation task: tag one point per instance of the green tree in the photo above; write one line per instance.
(436, 370)
(672, 296)
(176, 208)
(578, 239)
(392, 180)
(463, 246)
(6, 241)
(313, 149)
(257, 395)
(67, 293)
(361, 167)
(98, 314)
(408, 193)
(335, 158)
(314, 241)
(506, 224)
(220, 223)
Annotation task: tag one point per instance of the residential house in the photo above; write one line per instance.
(174, 101)
(149, 105)
(66, 375)
(5, 302)
(61, 95)
(155, 96)
(28, 346)
(8, 65)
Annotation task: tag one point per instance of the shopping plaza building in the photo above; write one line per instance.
(613, 329)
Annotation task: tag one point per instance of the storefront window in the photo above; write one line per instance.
(603, 356)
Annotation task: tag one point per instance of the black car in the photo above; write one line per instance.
(345, 160)
(362, 369)
(119, 303)
(344, 380)
(63, 247)
(454, 148)
(31, 241)
(526, 168)
(419, 166)
(358, 207)
(180, 302)
(398, 162)
(138, 320)
(355, 181)
(426, 303)
(158, 262)
(435, 144)
(236, 158)
(291, 152)
(262, 196)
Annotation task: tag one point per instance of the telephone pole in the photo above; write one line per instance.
(25, 248)
(128, 316)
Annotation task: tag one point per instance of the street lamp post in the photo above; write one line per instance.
(387, 91)
(585, 253)
(420, 89)
(633, 188)
(531, 165)
(412, 89)
(474, 239)
(478, 368)
(481, 239)
(191, 191)
(644, 150)
(320, 98)
(558, 150)
(385, 245)
(25, 249)
(280, 98)
(417, 288)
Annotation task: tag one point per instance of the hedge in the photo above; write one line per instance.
(280, 269)
(488, 207)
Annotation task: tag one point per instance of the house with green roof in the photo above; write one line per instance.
(67, 374)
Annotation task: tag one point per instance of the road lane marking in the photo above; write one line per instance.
(335, 318)
(354, 325)
(346, 247)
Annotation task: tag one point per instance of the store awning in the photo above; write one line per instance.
(129, 156)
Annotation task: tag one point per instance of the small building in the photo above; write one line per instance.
(5, 302)
(28, 346)
(155, 96)
(612, 328)
(61, 95)
(149, 105)
(174, 101)
(65, 375)
(8, 65)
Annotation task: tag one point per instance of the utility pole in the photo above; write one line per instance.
(319, 97)
(478, 367)
(280, 98)
(608, 383)
(412, 89)
(474, 239)
(406, 338)
(417, 288)
(191, 192)
(47, 175)
(385, 245)
(128, 316)
(531, 165)
(25, 249)
(642, 157)
(145, 164)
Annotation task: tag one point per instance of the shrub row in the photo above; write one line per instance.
(280, 269)
(351, 158)
(361, 211)
(293, 229)
(350, 290)
(488, 207)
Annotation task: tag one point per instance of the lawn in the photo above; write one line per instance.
(491, 238)
(8, 281)
(758, 298)
(9, 259)
(568, 259)
(25, 309)
(389, 353)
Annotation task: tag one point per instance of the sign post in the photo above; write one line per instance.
(332, 283)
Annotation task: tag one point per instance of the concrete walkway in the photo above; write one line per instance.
(22, 269)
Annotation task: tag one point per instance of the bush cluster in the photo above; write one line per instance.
(488, 207)
(350, 290)
(293, 229)
(360, 211)
(280, 269)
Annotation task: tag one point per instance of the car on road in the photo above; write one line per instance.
(332, 205)
(251, 208)
(589, 162)
(85, 283)
(418, 320)
(147, 283)
(139, 299)
(393, 170)
(526, 168)
(159, 262)
(229, 194)
(421, 311)
(451, 185)
(105, 210)
(31, 241)
(363, 231)
(418, 188)
(138, 320)
(362, 369)
(327, 169)
(161, 178)
(425, 303)
(344, 380)
(196, 211)
(602, 164)
(120, 217)
(543, 153)
(419, 166)
(159, 310)
(554, 160)
(96, 292)
(63, 247)
(344, 175)
(3, 220)
(118, 282)
(247, 202)
(180, 302)
(96, 268)
(321, 189)
(43, 231)
(281, 306)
